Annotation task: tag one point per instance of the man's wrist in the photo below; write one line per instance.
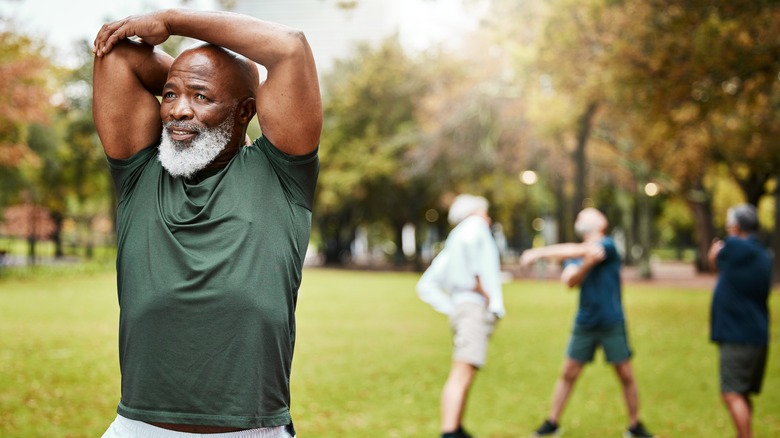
(170, 20)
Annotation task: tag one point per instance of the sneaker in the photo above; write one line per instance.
(460, 433)
(548, 428)
(638, 431)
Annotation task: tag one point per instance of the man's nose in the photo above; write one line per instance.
(181, 109)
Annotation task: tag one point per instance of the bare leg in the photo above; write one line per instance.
(454, 395)
(630, 392)
(563, 386)
(741, 412)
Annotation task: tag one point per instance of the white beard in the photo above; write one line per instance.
(182, 159)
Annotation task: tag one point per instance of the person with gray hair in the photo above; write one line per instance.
(739, 318)
(464, 283)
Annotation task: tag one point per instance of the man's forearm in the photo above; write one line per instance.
(575, 275)
(261, 41)
(561, 251)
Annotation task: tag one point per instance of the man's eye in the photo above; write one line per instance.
(169, 95)
(200, 97)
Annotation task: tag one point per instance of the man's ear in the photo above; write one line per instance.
(246, 110)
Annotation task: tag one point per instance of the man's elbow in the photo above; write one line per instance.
(570, 280)
(294, 44)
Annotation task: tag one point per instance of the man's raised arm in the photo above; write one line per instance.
(288, 103)
(124, 104)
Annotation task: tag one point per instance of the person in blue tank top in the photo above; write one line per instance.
(594, 265)
(739, 319)
(212, 228)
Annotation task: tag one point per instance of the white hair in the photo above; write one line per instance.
(182, 159)
(743, 216)
(464, 206)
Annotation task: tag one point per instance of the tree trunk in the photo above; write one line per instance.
(584, 125)
(565, 225)
(644, 233)
(776, 235)
(700, 204)
(398, 232)
(336, 239)
(626, 203)
(31, 242)
(753, 186)
(57, 218)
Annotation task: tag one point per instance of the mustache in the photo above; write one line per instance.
(175, 124)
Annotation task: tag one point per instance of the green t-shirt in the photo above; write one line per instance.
(208, 272)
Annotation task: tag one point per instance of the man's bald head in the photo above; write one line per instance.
(590, 220)
(236, 73)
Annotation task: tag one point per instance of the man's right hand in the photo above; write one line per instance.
(595, 253)
(151, 28)
(527, 257)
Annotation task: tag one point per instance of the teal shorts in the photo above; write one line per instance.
(585, 340)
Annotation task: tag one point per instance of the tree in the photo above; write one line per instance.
(705, 76)
(24, 100)
(85, 175)
(30, 222)
(369, 130)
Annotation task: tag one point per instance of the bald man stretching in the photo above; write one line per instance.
(211, 231)
(594, 265)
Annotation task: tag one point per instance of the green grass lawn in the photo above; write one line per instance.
(371, 359)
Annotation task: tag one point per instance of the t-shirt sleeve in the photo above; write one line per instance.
(125, 172)
(610, 250)
(297, 173)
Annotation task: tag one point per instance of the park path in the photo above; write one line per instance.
(678, 274)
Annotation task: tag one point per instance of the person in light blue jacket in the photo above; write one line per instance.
(464, 283)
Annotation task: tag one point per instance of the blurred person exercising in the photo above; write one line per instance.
(211, 231)
(594, 265)
(739, 317)
(464, 283)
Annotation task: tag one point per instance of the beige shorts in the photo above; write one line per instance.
(472, 325)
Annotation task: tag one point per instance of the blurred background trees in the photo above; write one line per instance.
(662, 113)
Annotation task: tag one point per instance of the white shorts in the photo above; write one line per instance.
(472, 325)
(126, 428)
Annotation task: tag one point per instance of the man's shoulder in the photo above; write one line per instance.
(472, 229)
(142, 156)
(607, 242)
(264, 146)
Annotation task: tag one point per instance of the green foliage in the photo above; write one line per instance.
(24, 97)
(371, 132)
(370, 126)
(371, 359)
(598, 97)
(717, 65)
(681, 88)
(64, 169)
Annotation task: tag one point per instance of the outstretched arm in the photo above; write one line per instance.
(288, 103)
(555, 252)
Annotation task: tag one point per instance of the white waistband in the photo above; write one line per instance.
(123, 427)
